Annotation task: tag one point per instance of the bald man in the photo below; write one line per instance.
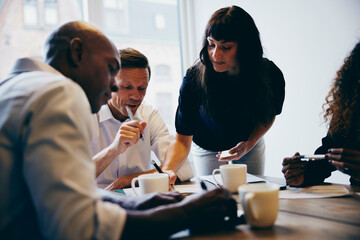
(46, 169)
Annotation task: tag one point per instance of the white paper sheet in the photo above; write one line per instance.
(319, 191)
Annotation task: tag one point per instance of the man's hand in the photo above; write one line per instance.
(209, 210)
(293, 169)
(128, 135)
(214, 209)
(151, 200)
(120, 183)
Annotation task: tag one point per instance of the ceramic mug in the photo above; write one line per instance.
(260, 203)
(232, 176)
(153, 182)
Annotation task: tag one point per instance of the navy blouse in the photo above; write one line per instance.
(236, 126)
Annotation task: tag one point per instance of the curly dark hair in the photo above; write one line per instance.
(342, 107)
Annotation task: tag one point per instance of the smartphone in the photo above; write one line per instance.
(315, 157)
(226, 154)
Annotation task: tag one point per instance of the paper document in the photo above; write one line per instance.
(183, 188)
(249, 178)
(319, 191)
(188, 188)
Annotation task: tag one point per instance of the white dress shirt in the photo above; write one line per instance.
(136, 158)
(46, 169)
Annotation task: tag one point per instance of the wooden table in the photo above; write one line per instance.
(325, 218)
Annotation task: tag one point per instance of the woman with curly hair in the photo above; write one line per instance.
(341, 146)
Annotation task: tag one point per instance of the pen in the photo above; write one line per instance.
(212, 183)
(314, 157)
(281, 187)
(160, 171)
(203, 185)
(131, 116)
(261, 181)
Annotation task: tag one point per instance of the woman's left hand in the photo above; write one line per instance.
(240, 150)
(346, 161)
(172, 177)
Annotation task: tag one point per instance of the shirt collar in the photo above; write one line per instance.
(28, 64)
(105, 113)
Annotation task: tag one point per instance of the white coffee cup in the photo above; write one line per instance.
(153, 182)
(260, 203)
(232, 176)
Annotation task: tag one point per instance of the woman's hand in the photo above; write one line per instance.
(240, 150)
(293, 169)
(172, 177)
(346, 161)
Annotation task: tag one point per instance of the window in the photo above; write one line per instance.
(30, 12)
(2, 2)
(40, 13)
(160, 21)
(150, 26)
(115, 16)
(25, 25)
(164, 103)
(50, 13)
(162, 72)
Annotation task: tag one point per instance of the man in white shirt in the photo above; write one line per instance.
(46, 169)
(118, 157)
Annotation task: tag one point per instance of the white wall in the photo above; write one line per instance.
(308, 40)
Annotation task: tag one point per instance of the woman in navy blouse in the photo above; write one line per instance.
(229, 98)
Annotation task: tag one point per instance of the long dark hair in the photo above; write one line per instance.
(342, 107)
(235, 24)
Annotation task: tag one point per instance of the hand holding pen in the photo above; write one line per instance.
(127, 135)
(131, 116)
(170, 173)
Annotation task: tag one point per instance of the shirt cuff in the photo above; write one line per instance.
(185, 172)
